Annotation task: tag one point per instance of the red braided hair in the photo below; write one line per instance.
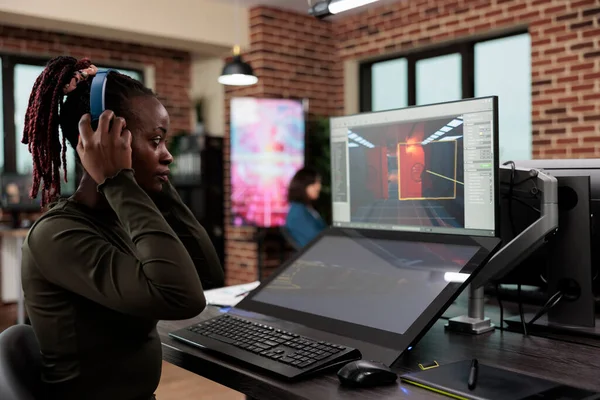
(42, 122)
(46, 112)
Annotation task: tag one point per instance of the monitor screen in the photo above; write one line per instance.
(428, 169)
(365, 280)
(15, 193)
(267, 148)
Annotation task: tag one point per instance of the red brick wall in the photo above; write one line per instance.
(293, 57)
(565, 55)
(298, 56)
(172, 68)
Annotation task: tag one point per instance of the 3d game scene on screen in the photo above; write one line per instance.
(408, 174)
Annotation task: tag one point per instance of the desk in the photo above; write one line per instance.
(564, 362)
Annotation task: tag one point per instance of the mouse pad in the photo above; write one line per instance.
(492, 384)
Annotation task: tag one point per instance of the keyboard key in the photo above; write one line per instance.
(221, 338)
(306, 363)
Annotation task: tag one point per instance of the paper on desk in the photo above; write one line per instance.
(229, 296)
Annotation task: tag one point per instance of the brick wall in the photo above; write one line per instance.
(298, 56)
(565, 55)
(293, 57)
(172, 68)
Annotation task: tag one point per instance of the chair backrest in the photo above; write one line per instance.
(288, 238)
(20, 364)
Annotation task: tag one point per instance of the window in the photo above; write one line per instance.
(389, 89)
(25, 76)
(438, 79)
(19, 75)
(511, 82)
(498, 66)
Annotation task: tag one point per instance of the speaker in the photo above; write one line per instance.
(570, 255)
(213, 217)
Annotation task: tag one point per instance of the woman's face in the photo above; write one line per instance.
(149, 154)
(314, 190)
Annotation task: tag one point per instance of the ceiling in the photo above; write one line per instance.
(294, 5)
(300, 6)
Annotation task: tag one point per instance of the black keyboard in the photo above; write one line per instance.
(283, 353)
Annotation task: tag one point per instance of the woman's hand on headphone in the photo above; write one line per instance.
(106, 151)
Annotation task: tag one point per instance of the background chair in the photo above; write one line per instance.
(20, 364)
(288, 238)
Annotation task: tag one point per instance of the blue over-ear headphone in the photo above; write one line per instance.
(97, 96)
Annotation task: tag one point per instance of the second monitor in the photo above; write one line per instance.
(427, 168)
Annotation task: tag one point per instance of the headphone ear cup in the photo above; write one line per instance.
(97, 95)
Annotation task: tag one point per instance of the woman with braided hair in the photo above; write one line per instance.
(101, 267)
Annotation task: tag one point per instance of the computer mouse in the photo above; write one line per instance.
(363, 373)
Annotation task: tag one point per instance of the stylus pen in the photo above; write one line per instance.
(473, 373)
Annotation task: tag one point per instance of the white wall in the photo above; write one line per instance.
(204, 85)
(200, 26)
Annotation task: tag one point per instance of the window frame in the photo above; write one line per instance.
(466, 49)
(11, 137)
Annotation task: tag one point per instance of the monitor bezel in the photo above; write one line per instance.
(486, 248)
(496, 149)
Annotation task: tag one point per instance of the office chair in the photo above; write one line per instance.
(20, 364)
(288, 238)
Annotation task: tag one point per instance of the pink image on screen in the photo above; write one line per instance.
(267, 148)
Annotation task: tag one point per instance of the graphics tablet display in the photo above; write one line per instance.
(370, 281)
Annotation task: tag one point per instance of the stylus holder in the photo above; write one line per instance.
(515, 251)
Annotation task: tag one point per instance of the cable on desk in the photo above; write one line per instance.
(552, 301)
(521, 313)
(510, 195)
(526, 204)
(501, 325)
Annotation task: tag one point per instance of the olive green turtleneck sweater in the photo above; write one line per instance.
(96, 283)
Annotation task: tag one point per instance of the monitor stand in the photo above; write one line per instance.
(475, 322)
(570, 265)
(520, 247)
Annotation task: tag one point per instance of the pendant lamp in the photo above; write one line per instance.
(237, 72)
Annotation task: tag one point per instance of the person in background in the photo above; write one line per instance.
(100, 268)
(303, 223)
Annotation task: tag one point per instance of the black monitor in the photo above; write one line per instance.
(378, 287)
(430, 169)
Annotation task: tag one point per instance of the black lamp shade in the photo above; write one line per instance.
(237, 73)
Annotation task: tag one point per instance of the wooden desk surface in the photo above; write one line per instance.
(560, 361)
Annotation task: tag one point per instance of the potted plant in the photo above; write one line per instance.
(318, 157)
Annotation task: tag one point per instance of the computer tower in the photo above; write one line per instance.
(570, 255)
